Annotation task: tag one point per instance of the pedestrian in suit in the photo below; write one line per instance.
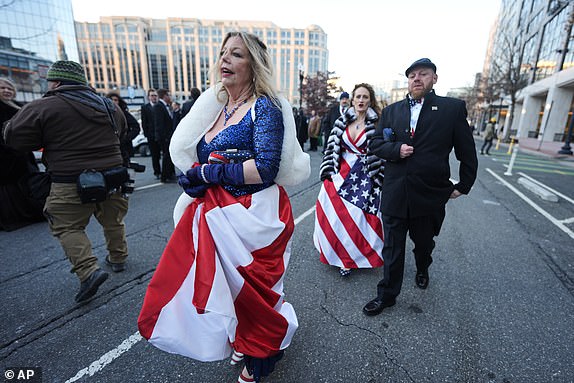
(333, 114)
(163, 123)
(415, 136)
(302, 127)
(186, 107)
(149, 131)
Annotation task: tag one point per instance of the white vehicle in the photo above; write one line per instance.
(141, 146)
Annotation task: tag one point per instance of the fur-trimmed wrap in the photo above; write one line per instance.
(331, 159)
(294, 167)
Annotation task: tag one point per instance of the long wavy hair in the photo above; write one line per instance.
(261, 66)
(374, 103)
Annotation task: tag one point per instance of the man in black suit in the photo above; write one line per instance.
(334, 113)
(186, 107)
(163, 123)
(149, 131)
(415, 136)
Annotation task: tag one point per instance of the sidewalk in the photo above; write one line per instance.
(546, 149)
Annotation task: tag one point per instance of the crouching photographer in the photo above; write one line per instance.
(79, 130)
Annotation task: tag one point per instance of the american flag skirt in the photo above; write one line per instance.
(219, 282)
(348, 226)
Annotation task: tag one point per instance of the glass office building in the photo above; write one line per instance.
(539, 33)
(178, 53)
(34, 34)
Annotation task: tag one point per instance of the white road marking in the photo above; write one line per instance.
(304, 215)
(107, 358)
(148, 186)
(556, 222)
(125, 346)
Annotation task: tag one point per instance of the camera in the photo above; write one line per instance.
(138, 168)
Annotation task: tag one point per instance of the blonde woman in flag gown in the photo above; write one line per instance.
(218, 289)
(348, 226)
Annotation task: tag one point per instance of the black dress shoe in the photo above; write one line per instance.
(422, 279)
(376, 306)
(90, 286)
(116, 266)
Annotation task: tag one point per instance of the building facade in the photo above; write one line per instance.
(135, 54)
(532, 54)
(34, 34)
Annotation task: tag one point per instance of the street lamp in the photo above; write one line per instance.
(566, 148)
(301, 78)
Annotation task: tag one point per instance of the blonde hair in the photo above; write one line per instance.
(261, 66)
(9, 82)
(11, 102)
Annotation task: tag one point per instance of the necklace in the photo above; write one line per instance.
(227, 115)
(358, 126)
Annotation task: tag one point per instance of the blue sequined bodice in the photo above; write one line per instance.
(262, 135)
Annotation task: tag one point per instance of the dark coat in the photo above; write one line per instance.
(163, 122)
(186, 107)
(148, 121)
(332, 116)
(419, 185)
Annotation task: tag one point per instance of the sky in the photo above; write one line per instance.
(369, 41)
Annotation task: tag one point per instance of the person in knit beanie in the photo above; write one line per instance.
(79, 130)
(67, 72)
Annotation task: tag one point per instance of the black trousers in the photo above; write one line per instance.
(421, 230)
(155, 151)
(167, 167)
(314, 141)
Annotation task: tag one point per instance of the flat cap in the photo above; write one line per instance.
(424, 62)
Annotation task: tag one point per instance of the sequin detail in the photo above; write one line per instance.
(264, 137)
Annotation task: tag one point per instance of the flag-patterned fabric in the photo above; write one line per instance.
(348, 227)
(219, 283)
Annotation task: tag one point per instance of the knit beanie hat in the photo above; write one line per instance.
(67, 71)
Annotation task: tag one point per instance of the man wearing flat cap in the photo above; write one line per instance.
(79, 130)
(415, 136)
(333, 114)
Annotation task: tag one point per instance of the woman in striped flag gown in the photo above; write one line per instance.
(348, 227)
(218, 289)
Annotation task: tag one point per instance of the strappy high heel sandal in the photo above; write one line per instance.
(244, 379)
(236, 357)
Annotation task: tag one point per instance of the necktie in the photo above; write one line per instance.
(413, 102)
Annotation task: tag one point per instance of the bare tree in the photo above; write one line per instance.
(318, 90)
(507, 74)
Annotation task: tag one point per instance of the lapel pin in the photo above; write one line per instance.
(434, 107)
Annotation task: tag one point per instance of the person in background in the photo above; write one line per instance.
(177, 113)
(133, 127)
(333, 114)
(314, 131)
(186, 107)
(74, 125)
(23, 187)
(163, 124)
(238, 146)
(302, 126)
(415, 136)
(489, 135)
(348, 228)
(148, 126)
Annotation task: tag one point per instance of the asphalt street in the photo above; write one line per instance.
(499, 307)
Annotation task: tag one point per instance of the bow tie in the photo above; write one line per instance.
(413, 102)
